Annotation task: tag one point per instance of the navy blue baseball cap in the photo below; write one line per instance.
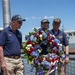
(57, 20)
(17, 18)
(45, 21)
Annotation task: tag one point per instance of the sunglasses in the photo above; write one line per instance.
(19, 22)
(56, 23)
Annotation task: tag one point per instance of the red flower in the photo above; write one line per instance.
(53, 60)
(50, 41)
(40, 59)
(37, 36)
(33, 44)
(52, 37)
(47, 59)
(31, 50)
(48, 37)
(57, 59)
(54, 44)
(48, 34)
(29, 42)
(57, 47)
(53, 51)
(40, 32)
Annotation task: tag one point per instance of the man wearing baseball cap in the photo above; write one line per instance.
(44, 26)
(60, 35)
(10, 48)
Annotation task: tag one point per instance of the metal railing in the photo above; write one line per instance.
(70, 68)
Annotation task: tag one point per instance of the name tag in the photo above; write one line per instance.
(9, 34)
(59, 37)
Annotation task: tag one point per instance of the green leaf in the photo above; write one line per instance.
(31, 33)
(36, 30)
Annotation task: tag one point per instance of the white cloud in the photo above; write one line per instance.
(45, 17)
(27, 18)
(33, 17)
(50, 17)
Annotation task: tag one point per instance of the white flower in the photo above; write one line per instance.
(27, 48)
(61, 45)
(51, 63)
(54, 63)
(44, 59)
(39, 50)
(40, 37)
(53, 36)
(29, 45)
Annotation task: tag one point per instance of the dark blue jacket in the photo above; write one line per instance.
(61, 36)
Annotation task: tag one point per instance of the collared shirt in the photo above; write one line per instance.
(61, 36)
(11, 41)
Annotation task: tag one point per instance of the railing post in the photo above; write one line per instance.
(6, 12)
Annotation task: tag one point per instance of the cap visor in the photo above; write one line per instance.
(45, 22)
(21, 20)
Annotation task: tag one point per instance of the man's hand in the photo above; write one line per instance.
(3, 66)
(67, 60)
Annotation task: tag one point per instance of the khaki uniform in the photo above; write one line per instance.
(61, 69)
(14, 66)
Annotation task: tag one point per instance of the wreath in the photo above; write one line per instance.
(32, 49)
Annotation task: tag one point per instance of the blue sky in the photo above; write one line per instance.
(36, 10)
